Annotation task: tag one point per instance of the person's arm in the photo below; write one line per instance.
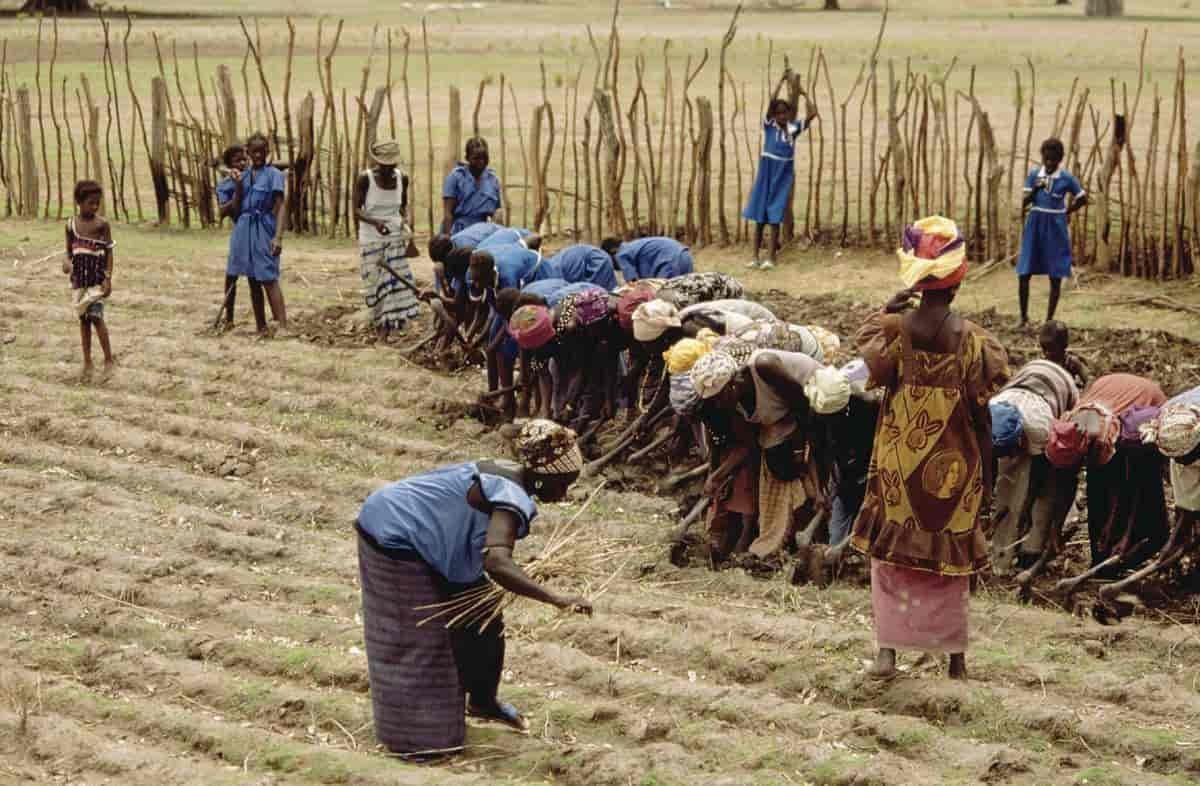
(106, 233)
(233, 208)
(1031, 186)
(280, 222)
(498, 562)
(787, 74)
(545, 383)
(66, 265)
(773, 373)
(449, 205)
(1079, 197)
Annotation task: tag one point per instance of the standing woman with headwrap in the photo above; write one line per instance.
(380, 205)
(921, 522)
(428, 537)
(471, 192)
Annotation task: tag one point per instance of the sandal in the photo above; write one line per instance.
(501, 712)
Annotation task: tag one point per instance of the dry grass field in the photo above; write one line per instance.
(178, 580)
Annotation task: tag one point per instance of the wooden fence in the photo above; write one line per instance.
(609, 153)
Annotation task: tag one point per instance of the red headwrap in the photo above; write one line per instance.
(629, 302)
(531, 326)
(1068, 444)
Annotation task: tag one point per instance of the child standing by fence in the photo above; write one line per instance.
(776, 170)
(234, 162)
(89, 263)
(1046, 241)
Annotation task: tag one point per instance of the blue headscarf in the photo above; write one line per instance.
(1007, 426)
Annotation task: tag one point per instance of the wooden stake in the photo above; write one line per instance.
(429, 122)
(726, 42)
(29, 176)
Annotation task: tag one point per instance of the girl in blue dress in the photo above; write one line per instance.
(257, 239)
(471, 192)
(1046, 241)
(776, 171)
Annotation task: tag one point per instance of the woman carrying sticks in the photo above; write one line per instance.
(380, 203)
(421, 541)
(930, 475)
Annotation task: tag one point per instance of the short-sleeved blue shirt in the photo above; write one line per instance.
(781, 142)
(503, 237)
(429, 514)
(654, 257)
(225, 190)
(474, 201)
(475, 234)
(582, 262)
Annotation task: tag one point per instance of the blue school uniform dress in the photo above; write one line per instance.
(474, 202)
(776, 172)
(1046, 241)
(654, 257)
(475, 234)
(250, 244)
(585, 263)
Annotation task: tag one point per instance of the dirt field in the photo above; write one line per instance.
(179, 600)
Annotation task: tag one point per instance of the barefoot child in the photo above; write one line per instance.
(776, 171)
(1054, 339)
(89, 263)
(257, 239)
(1046, 242)
(234, 163)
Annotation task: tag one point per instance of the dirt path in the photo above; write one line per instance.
(178, 599)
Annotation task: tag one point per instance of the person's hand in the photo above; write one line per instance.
(383, 228)
(276, 247)
(576, 604)
(106, 287)
(66, 266)
(901, 301)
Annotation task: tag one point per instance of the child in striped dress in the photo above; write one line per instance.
(776, 171)
(1046, 241)
(89, 263)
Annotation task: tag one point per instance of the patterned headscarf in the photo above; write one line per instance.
(1068, 444)
(1176, 430)
(629, 302)
(531, 327)
(738, 349)
(547, 448)
(580, 310)
(684, 353)
(651, 319)
(684, 398)
(1007, 424)
(934, 255)
(826, 340)
(827, 390)
(712, 373)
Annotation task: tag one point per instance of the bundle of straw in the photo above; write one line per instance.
(569, 551)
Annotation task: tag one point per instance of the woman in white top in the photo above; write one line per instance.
(380, 202)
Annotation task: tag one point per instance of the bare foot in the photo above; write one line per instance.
(958, 666)
(86, 374)
(884, 667)
(110, 366)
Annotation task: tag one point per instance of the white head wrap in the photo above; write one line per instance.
(828, 390)
(1176, 430)
(652, 318)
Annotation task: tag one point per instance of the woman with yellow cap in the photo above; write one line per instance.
(931, 465)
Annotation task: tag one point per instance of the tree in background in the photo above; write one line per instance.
(1105, 8)
(63, 7)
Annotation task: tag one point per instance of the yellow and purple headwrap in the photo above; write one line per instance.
(934, 255)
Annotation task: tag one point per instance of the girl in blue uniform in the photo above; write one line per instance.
(1046, 241)
(776, 171)
(649, 257)
(582, 262)
(471, 192)
(257, 240)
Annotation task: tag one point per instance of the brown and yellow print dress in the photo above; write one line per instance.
(927, 487)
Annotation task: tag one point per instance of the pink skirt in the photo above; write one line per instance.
(915, 610)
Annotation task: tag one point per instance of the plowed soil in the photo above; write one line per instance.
(179, 601)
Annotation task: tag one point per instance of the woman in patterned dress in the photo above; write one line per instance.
(930, 474)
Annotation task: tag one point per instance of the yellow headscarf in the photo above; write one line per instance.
(684, 353)
(914, 268)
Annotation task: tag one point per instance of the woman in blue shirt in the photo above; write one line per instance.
(1046, 241)
(426, 538)
(256, 205)
(471, 192)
